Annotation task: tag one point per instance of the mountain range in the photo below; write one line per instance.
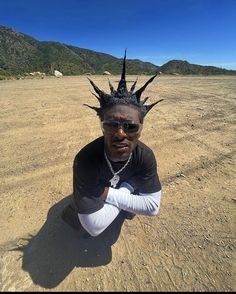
(20, 54)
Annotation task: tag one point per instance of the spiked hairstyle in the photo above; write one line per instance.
(122, 96)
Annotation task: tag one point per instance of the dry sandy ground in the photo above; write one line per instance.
(189, 246)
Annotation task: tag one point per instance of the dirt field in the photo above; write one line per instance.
(189, 246)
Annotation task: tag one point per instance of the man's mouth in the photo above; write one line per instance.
(120, 146)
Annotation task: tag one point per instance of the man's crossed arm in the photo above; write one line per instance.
(117, 200)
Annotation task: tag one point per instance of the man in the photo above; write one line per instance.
(115, 173)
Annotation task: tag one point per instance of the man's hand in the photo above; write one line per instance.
(105, 192)
(123, 187)
(126, 187)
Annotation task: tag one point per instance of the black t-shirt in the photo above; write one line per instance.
(91, 174)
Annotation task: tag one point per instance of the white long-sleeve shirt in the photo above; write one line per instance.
(117, 200)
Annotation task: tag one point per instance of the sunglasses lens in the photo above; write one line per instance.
(110, 126)
(131, 127)
(113, 126)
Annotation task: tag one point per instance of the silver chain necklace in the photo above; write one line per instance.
(114, 181)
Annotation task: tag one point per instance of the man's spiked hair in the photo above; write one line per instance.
(122, 95)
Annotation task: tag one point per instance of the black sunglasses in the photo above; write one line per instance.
(113, 126)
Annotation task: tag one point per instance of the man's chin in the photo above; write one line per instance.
(120, 154)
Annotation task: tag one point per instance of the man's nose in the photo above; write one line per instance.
(120, 133)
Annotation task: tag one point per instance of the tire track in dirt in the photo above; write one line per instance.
(28, 179)
(204, 163)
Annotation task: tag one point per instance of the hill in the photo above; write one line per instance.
(20, 53)
(186, 68)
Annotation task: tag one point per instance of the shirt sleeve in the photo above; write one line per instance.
(146, 180)
(87, 190)
(95, 223)
(144, 204)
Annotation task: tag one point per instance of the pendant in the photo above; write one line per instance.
(114, 181)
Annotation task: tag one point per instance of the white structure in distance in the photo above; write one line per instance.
(58, 74)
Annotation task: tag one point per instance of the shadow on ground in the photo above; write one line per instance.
(57, 248)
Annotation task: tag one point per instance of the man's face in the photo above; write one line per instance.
(121, 141)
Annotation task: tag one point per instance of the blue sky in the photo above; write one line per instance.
(199, 31)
